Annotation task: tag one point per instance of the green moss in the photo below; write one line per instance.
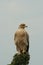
(21, 59)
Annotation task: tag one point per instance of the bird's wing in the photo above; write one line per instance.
(27, 41)
(15, 35)
(27, 37)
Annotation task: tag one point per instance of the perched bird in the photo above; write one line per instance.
(21, 39)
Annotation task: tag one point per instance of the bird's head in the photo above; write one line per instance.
(22, 26)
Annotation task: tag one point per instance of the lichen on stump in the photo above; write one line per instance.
(20, 59)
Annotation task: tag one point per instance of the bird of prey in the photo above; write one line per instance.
(21, 39)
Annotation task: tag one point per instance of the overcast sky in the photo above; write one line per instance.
(14, 12)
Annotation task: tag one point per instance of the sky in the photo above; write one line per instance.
(13, 13)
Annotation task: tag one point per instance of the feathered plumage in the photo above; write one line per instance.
(21, 39)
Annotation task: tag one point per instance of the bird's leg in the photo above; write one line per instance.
(23, 51)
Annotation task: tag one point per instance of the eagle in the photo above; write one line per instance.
(21, 39)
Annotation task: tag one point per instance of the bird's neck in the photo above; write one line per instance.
(21, 28)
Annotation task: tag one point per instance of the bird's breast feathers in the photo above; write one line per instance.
(20, 34)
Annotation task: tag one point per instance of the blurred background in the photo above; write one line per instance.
(14, 12)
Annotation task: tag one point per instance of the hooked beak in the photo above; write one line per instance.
(26, 26)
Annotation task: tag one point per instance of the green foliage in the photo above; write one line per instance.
(20, 59)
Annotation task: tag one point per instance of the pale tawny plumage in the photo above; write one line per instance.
(21, 39)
